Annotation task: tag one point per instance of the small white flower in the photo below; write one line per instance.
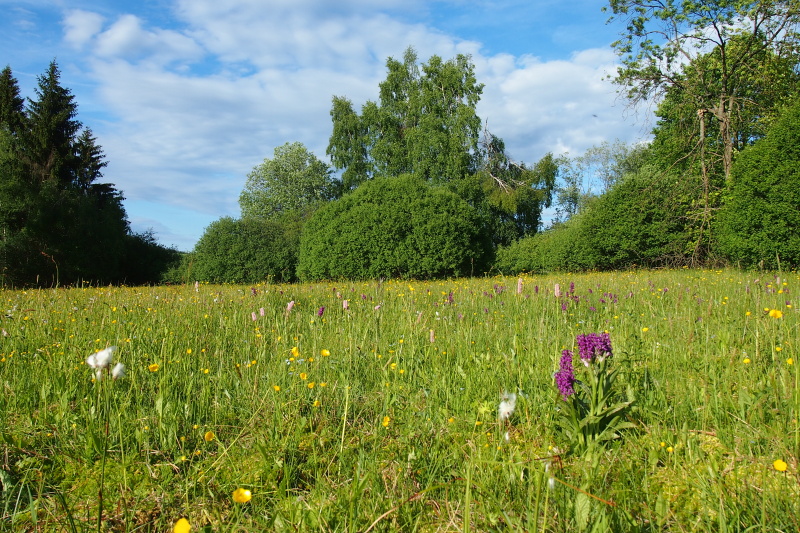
(507, 437)
(508, 401)
(101, 359)
(118, 371)
(98, 374)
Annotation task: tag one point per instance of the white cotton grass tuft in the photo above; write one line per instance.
(508, 402)
(102, 359)
(118, 371)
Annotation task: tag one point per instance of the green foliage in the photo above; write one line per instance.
(393, 227)
(515, 195)
(759, 224)
(247, 250)
(146, 261)
(293, 180)
(746, 68)
(58, 224)
(424, 124)
(640, 221)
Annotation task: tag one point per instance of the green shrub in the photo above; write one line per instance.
(641, 221)
(246, 250)
(394, 227)
(759, 224)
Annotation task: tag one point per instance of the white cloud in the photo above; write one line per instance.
(126, 39)
(81, 26)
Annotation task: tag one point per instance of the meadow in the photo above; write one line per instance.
(401, 406)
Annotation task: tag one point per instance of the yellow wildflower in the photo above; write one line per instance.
(780, 465)
(154, 367)
(182, 526)
(209, 436)
(242, 495)
(776, 313)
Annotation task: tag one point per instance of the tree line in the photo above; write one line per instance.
(418, 187)
(59, 224)
(425, 191)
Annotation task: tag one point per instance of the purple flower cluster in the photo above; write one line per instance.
(594, 346)
(565, 377)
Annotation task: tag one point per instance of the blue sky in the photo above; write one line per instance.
(187, 96)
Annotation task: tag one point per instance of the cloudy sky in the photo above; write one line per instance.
(187, 96)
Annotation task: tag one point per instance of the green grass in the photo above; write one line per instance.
(386, 419)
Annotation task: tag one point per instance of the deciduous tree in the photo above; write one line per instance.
(294, 179)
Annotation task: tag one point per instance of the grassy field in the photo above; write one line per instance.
(374, 406)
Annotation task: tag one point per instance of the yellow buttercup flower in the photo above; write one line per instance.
(325, 353)
(775, 313)
(295, 351)
(182, 526)
(276, 388)
(154, 367)
(242, 495)
(385, 422)
(746, 361)
(209, 436)
(780, 465)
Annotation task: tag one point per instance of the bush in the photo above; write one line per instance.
(641, 221)
(246, 250)
(394, 227)
(759, 224)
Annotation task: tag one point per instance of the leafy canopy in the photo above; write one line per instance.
(424, 124)
(294, 179)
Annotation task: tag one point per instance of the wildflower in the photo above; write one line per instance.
(345, 305)
(261, 311)
(594, 346)
(153, 368)
(775, 313)
(790, 361)
(276, 388)
(209, 436)
(557, 290)
(432, 336)
(324, 352)
(289, 307)
(519, 286)
(182, 526)
(780, 465)
(118, 371)
(242, 495)
(253, 316)
(746, 360)
(565, 378)
(377, 307)
(385, 421)
(101, 359)
(321, 311)
(508, 401)
(295, 351)
(645, 330)
(303, 376)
